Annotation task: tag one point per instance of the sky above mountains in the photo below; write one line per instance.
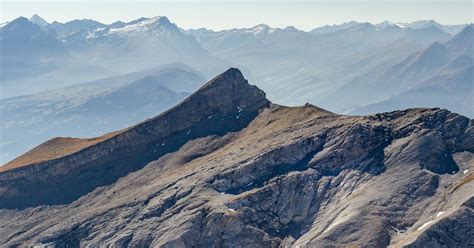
(225, 14)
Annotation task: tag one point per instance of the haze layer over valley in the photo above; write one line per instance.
(248, 123)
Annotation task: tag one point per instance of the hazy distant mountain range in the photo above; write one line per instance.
(113, 136)
(57, 55)
(354, 67)
(360, 63)
(440, 75)
(92, 108)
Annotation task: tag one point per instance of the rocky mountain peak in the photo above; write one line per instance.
(164, 20)
(230, 79)
(225, 104)
(225, 165)
(22, 30)
(463, 40)
(21, 23)
(156, 25)
(233, 74)
(230, 90)
(36, 19)
(386, 24)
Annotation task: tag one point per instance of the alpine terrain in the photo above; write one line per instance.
(228, 168)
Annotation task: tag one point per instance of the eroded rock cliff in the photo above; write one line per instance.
(226, 168)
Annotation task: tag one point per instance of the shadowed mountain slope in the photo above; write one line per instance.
(226, 103)
(226, 168)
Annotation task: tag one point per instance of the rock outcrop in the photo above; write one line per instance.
(226, 168)
(225, 104)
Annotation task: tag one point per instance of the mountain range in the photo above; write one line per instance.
(294, 67)
(306, 63)
(57, 55)
(445, 75)
(92, 108)
(352, 68)
(226, 167)
(439, 75)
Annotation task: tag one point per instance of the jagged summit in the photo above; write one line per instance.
(231, 79)
(20, 23)
(225, 104)
(36, 19)
(144, 25)
(164, 20)
(223, 95)
(228, 93)
(29, 36)
(230, 76)
(386, 24)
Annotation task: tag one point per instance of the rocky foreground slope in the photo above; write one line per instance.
(227, 168)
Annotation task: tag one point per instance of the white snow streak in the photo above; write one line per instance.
(424, 225)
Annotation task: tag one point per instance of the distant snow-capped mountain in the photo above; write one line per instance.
(385, 31)
(22, 36)
(118, 32)
(294, 66)
(26, 49)
(37, 59)
(450, 29)
(156, 26)
(418, 24)
(228, 39)
(145, 42)
(386, 24)
(291, 65)
(334, 28)
(71, 27)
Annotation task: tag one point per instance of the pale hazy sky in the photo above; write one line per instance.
(225, 14)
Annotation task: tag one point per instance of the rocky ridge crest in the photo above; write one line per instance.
(253, 174)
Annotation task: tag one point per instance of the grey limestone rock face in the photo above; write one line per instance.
(281, 177)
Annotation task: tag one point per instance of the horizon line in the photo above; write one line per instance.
(247, 27)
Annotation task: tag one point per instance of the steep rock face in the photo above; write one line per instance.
(226, 103)
(286, 177)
